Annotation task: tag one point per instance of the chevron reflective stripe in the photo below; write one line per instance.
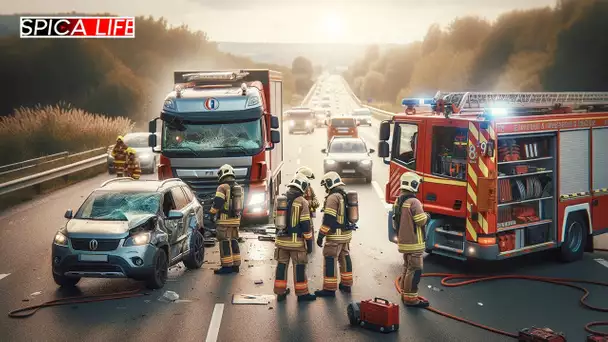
(488, 169)
(574, 195)
(393, 182)
(600, 191)
(473, 174)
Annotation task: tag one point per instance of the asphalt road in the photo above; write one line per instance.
(26, 233)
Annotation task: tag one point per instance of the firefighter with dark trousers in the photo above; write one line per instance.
(409, 220)
(133, 168)
(227, 221)
(119, 153)
(310, 196)
(336, 229)
(294, 240)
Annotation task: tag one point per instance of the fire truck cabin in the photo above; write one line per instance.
(505, 174)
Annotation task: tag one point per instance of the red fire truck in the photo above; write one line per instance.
(225, 117)
(505, 174)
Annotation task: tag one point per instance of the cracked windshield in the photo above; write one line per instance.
(118, 206)
(244, 138)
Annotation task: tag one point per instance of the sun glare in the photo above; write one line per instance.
(333, 25)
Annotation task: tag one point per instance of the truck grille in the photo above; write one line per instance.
(205, 188)
(103, 245)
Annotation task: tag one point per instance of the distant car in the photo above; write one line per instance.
(349, 157)
(139, 141)
(301, 120)
(321, 116)
(130, 229)
(363, 116)
(325, 104)
(342, 126)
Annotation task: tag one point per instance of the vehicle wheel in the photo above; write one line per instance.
(161, 269)
(196, 256)
(573, 247)
(64, 281)
(111, 172)
(350, 312)
(368, 179)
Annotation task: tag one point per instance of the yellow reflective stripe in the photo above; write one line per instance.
(419, 235)
(406, 205)
(324, 229)
(419, 218)
(304, 218)
(330, 211)
(412, 247)
(307, 236)
(282, 243)
(220, 195)
(213, 211)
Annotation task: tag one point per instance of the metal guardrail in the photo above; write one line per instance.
(31, 162)
(378, 113)
(309, 95)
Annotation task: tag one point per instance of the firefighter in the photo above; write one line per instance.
(310, 196)
(133, 168)
(228, 222)
(338, 234)
(119, 152)
(294, 242)
(409, 220)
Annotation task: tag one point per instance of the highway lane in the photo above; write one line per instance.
(27, 230)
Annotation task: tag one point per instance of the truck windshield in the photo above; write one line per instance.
(214, 139)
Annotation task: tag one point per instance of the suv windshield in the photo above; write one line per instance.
(118, 206)
(136, 141)
(347, 146)
(347, 122)
(214, 139)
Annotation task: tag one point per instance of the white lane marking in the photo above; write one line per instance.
(297, 161)
(378, 190)
(602, 262)
(216, 320)
(4, 275)
(300, 150)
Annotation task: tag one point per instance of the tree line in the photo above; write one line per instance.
(545, 49)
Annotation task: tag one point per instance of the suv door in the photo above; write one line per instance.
(183, 205)
(197, 208)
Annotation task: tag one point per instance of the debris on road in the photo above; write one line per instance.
(480, 303)
(251, 299)
(37, 293)
(169, 296)
(182, 301)
(258, 282)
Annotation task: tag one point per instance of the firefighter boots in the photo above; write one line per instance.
(224, 270)
(281, 297)
(325, 293)
(420, 303)
(344, 288)
(307, 297)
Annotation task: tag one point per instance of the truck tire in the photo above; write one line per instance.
(573, 247)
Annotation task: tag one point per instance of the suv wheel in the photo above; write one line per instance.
(64, 281)
(196, 256)
(161, 269)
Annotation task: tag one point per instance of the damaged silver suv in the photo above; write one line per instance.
(130, 229)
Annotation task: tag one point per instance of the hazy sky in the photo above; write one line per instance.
(298, 21)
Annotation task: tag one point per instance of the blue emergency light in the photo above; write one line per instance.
(497, 111)
(412, 102)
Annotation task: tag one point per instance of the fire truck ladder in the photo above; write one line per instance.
(467, 102)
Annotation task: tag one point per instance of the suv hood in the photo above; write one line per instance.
(348, 156)
(79, 226)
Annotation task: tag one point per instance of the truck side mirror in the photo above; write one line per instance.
(383, 149)
(152, 126)
(274, 122)
(275, 137)
(152, 140)
(385, 131)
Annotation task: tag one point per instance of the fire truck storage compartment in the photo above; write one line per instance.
(450, 152)
(574, 155)
(526, 196)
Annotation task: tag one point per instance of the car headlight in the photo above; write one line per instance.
(292, 123)
(330, 161)
(138, 239)
(307, 123)
(365, 162)
(257, 199)
(61, 239)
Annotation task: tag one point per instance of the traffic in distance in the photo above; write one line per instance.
(231, 204)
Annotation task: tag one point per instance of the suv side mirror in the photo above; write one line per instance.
(274, 122)
(371, 150)
(383, 149)
(175, 215)
(275, 137)
(385, 131)
(152, 141)
(68, 214)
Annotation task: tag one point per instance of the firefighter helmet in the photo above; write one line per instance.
(131, 150)
(410, 182)
(120, 138)
(299, 182)
(225, 170)
(306, 171)
(331, 180)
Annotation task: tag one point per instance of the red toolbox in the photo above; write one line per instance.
(540, 335)
(375, 314)
(594, 338)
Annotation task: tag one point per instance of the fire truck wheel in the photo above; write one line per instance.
(352, 310)
(573, 247)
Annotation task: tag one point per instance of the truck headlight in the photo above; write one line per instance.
(61, 239)
(307, 123)
(330, 162)
(366, 162)
(292, 123)
(138, 239)
(257, 199)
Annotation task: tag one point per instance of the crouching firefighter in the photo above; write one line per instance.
(310, 196)
(228, 203)
(294, 239)
(340, 215)
(409, 220)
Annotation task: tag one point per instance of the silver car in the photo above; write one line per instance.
(130, 229)
(138, 141)
(349, 157)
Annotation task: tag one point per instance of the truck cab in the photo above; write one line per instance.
(216, 118)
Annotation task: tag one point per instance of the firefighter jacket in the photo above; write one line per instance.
(410, 225)
(222, 204)
(298, 233)
(334, 217)
(312, 200)
(119, 152)
(133, 167)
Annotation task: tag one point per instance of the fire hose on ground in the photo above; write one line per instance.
(456, 280)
